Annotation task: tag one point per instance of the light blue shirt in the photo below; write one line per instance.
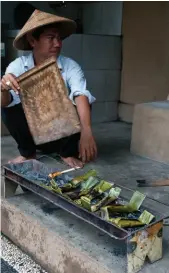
(72, 74)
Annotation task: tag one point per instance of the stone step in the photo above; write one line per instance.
(150, 131)
(62, 243)
(56, 240)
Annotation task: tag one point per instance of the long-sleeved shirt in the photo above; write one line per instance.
(72, 74)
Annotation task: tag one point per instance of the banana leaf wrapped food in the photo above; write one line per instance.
(134, 204)
(124, 223)
(146, 217)
(94, 202)
(83, 188)
(125, 220)
(77, 180)
(90, 192)
(95, 192)
(126, 216)
(63, 183)
(103, 186)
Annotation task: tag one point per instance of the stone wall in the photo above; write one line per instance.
(100, 58)
(145, 68)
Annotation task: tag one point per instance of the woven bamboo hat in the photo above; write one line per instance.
(38, 19)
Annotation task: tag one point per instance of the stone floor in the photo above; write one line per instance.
(15, 261)
(115, 163)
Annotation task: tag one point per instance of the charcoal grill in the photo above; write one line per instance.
(140, 242)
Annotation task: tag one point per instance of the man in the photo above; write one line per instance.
(43, 34)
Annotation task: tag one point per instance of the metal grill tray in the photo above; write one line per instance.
(37, 171)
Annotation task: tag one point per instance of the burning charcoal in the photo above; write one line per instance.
(62, 180)
(35, 176)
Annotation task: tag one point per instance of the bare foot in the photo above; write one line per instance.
(73, 162)
(20, 159)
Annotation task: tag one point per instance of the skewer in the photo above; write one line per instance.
(52, 175)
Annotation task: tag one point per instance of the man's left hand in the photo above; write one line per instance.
(87, 146)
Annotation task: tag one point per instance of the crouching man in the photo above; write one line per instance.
(42, 35)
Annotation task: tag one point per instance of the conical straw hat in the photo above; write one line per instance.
(38, 19)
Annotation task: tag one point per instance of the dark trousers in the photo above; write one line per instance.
(15, 120)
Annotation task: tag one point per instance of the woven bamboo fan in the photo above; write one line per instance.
(49, 111)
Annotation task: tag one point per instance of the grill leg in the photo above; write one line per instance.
(144, 244)
(9, 188)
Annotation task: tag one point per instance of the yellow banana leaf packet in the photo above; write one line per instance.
(95, 192)
(102, 187)
(144, 219)
(127, 216)
(63, 183)
(93, 203)
(77, 180)
(83, 188)
(134, 204)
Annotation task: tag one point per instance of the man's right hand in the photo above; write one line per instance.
(8, 82)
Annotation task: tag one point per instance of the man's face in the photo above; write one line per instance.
(49, 43)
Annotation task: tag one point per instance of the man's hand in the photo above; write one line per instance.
(8, 82)
(87, 146)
